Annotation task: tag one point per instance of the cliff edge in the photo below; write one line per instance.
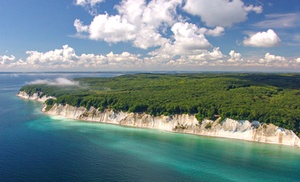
(184, 123)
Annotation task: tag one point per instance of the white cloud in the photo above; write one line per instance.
(89, 5)
(80, 28)
(287, 23)
(187, 38)
(57, 81)
(136, 21)
(160, 11)
(57, 57)
(235, 57)
(206, 55)
(288, 20)
(212, 32)
(19, 63)
(124, 58)
(149, 37)
(216, 59)
(111, 29)
(6, 59)
(223, 13)
(88, 2)
(187, 41)
(275, 61)
(174, 40)
(67, 58)
(263, 39)
(206, 58)
(166, 57)
(131, 10)
(256, 9)
(146, 32)
(272, 60)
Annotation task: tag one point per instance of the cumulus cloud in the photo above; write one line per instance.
(111, 29)
(276, 61)
(57, 82)
(149, 37)
(162, 26)
(132, 11)
(235, 57)
(147, 24)
(223, 13)
(256, 9)
(136, 21)
(215, 58)
(169, 56)
(89, 5)
(263, 39)
(187, 41)
(187, 38)
(80, 28)
(207, 56)
(212, 32)
(235, 60)
(6, 59)
(66, 58)
(88, 2)
(160, 11)
(124, 59)
(57, 57)
(273, 60)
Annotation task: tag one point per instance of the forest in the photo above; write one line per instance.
(268, 98)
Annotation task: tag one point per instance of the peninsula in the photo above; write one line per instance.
(253, 107)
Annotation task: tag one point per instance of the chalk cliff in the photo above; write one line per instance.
(184, 123)
(35, 96)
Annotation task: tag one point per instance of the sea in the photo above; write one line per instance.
(38, 147)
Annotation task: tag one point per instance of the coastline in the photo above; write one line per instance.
(184, 123)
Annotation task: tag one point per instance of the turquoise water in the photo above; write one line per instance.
(37, 147)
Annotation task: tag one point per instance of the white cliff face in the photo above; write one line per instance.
(184, 123)
(35, 96)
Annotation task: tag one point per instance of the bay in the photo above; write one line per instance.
(37, 147)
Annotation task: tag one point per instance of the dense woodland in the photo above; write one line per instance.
(268, 98)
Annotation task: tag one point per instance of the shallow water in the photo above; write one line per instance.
(37, 147)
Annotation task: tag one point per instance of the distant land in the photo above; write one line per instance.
(264, 100)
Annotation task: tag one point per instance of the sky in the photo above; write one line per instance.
(150, 35)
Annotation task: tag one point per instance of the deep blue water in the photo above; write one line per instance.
(36, 147)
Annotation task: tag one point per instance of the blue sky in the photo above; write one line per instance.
(108, 35)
